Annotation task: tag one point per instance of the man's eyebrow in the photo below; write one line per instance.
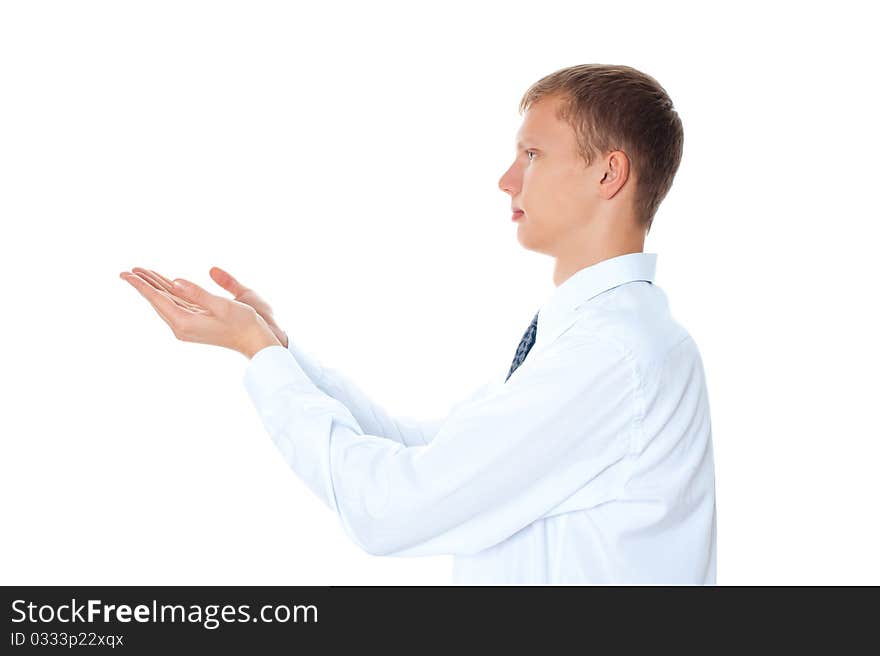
(522, 144)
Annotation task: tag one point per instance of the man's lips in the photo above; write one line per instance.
(516, 215)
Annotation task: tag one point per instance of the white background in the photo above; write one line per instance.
(343, 160)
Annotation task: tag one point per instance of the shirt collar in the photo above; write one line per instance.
(558, 311)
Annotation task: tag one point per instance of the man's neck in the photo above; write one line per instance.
(570, 263)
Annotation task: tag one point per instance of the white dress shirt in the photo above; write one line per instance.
(593, 463)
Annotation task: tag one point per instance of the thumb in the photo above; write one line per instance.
(227, 281)
(192, 292)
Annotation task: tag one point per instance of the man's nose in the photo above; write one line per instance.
(505, 182)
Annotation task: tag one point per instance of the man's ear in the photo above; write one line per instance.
(616, 172)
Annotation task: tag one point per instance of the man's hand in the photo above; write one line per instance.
(195, 315)
(241, 293)
(248, 296)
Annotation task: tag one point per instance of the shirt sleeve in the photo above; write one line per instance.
(370, 415)
(498, 462)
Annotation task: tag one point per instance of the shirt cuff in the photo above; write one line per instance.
(309, 364)
(272, 368)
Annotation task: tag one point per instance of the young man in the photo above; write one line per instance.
(590, 460)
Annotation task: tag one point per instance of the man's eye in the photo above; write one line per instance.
(530, 152)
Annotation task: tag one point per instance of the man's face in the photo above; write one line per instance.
(550, 181)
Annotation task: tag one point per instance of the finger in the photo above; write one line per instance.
(148, 290)
(227, 281)
(159, 281)
(170, 293)
(170, 312)
(162, 283)
(190, 291)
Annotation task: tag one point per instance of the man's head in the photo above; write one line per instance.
(597, 151)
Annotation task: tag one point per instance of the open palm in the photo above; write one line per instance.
(223, 278)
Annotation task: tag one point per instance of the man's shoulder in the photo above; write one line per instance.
(636, 319)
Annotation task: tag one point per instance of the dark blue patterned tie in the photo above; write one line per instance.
(525, 345)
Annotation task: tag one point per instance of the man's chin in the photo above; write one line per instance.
(528, 241)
